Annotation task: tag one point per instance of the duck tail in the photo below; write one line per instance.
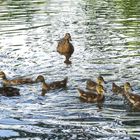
(65, 81)
(81, 92)
(115, 85)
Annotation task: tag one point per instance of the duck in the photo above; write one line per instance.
(65, 47)
(91, 85)
(14, 82)
(133, 99)
(93, 97)
(120, 89)
(51, 86)
(9, 91)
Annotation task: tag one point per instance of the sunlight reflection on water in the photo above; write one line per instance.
(106, 40)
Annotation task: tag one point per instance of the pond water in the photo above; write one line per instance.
(106, 37)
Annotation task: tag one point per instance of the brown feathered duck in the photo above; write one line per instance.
(91, 85)
(65, 47)
(9, 91)
(133, 99)
(120, 89)
(51, 86)
(13, 82)
(93, 97)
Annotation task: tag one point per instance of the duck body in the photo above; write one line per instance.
(58, 84)
(90, 96)
(9, 91)
(65, 47)
(53, 85)
(14, 82)
(94, 97)
(133, 100)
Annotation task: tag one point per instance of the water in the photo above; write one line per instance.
(106, 38)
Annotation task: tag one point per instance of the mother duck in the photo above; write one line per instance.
(65, 47)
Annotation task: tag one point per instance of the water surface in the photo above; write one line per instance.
(106, 38)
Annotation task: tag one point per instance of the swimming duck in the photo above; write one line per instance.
(14, 82)
(93, 96)
(65, 47)
(120, 89)
(133, 99)
(51, 86)
(91, 85)
(9, 91)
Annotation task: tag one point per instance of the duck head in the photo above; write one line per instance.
(100, 89)
(100, 80)
(127, 87)
(40, 78)
(2, 75)
(67, 36)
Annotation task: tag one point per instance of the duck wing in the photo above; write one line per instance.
(133, 100)
(59, 84)
(88, 96)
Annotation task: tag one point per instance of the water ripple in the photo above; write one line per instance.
(105, 35)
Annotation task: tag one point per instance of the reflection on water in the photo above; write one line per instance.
(106, 39)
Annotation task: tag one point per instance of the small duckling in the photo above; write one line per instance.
(65, 47)
(14, 82)
(9, 91)
(51, 86)
(133, 99)
(120, 89)
(92, 96)
(91, 85)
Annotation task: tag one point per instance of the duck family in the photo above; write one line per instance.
(94, 91)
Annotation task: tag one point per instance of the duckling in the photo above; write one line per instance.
(51, 86)
(93, 96)
(91, 85)
(65, 47)
(133, 99)
(14, 82)
(120, 89)
(9, 91)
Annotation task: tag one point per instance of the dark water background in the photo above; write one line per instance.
(106, 37)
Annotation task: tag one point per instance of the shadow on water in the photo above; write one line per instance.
(105, 35)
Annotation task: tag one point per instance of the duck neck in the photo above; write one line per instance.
(126, 89)
(100, 93)
(67, 40)
(45, 86)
